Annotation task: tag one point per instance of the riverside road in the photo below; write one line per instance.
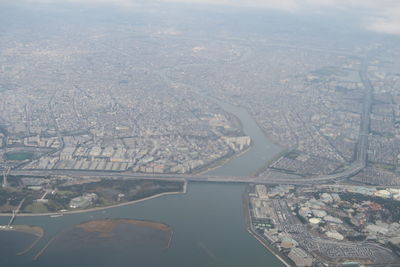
(352, 169)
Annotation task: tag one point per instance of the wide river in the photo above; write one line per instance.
(208, 221)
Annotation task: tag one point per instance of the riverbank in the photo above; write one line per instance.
(222, 221)
(248, 223)
(34, 230)
(221, 162)
(279, 156)
(100, 208)
(284, 150)
(262, 149)
(270, 248)
(270, 139)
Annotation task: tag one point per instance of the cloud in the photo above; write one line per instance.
(377, 15)
(122, 3)
(388, 23)
(285, 5)
(296, 5)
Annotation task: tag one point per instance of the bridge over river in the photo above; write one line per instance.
(349, 171)
(352, 169)
(189, 177)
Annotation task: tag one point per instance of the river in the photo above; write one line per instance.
(208, 221)
(261, 152)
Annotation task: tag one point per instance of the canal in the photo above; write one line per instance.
(208, 222)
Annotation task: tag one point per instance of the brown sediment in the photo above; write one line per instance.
(106, 227)
(35, 230)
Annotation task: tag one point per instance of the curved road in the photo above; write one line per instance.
(355, 167)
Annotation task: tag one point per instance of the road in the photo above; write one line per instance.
(365, 118)
(355, 167)
(187, 177)
(15, 212)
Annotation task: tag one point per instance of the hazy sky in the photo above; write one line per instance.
(374, 15)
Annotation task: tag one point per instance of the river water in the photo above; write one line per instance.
(261, 152)
(208, 221)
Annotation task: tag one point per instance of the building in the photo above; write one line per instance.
(262, 191)
(300, 257)
(83, 201)
(238, 143)
(67, 153)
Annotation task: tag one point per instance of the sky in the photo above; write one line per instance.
(381, 16)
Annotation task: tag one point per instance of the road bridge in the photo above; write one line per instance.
(15, 212)
(355, 167)
(187, 177)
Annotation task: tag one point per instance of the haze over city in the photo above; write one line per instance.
(200, 133)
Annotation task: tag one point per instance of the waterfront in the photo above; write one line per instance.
(261, 152)
(208, 221)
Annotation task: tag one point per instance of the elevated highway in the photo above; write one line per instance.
(188, 177)
(355, 167)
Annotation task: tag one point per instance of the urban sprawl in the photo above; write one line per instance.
(96, 104)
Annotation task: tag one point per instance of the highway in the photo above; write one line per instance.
(365, 118)
(355, 167)
(188, 177)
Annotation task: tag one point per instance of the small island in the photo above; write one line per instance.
(137, 240)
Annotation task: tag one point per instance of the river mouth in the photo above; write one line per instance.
(209, 230)
(208, 223)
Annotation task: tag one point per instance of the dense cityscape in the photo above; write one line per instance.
(110, 112)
